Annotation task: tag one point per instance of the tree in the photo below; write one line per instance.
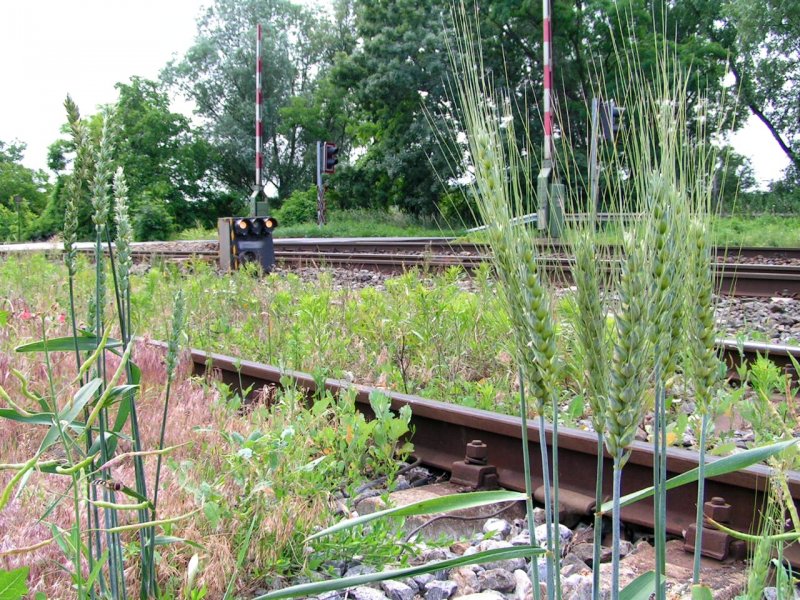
(217, 73)
(17, 180)
(164, 158)
(766, 65)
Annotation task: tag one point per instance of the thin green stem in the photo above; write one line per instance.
(556, 512)
(598, 519)
(659, 485)
(615, 523)
(701, 485)
(123, 307)
(548, 509)
(526, 462)
(68, 453)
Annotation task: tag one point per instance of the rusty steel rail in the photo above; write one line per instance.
(395, 255)
(442, 432)
(732, 279)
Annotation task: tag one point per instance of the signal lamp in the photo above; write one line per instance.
(270, 223)
(242, 226)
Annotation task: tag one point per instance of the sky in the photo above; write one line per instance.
(50, 48)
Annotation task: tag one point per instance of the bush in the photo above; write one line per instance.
(300, 207)
(153, 221)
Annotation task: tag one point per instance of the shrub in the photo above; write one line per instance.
(153, 221)
(300, 207)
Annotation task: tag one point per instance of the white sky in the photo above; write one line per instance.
(49, 48)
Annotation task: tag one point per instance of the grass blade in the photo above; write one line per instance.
(319, 587)
(67, 344)
(714, 468)
(640, 588)
(426, 507)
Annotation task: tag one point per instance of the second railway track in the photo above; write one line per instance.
(756, 272)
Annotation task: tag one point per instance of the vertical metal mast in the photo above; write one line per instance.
(547, 49)
(546, 172)
(258, 188)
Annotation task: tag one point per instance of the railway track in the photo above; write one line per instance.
(756, 272)
(442, 432)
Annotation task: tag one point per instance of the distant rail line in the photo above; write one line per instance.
(748, 271)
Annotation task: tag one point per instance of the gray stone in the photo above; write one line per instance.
(356, 570)
(524, 588)
(333, 595)
(539, 516)
(484, 545)
(625, 548)
(396, 590)
(488, 595)
(433, 554)
(440, 590)
(523, 538)
(497, 579)
(411, 583)
(335, 567)
(572, 564)
(585, 552)
(577, 587)
(770, 593)
(466, 579)
(423, 580)
(498, 528)
(541, 534)
(366, 593)
(401, 483)
(509, 564)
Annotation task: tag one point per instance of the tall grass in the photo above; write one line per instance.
(669, 164)
(87, 429)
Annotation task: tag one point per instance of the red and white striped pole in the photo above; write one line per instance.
(548, 83)
(259, 124)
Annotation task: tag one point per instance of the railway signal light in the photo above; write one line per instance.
(330, 159)
(610, 119)
(247, 240)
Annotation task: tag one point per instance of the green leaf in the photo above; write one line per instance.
(12, 584)
(318, 587)
(4, 314)
(34, 419)
(98, 565)
(81, 398)
(640, 588)
(86, 343)
(713, 468)
(701, 592)
(426, 507)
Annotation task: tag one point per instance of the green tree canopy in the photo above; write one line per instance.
(217, 74)
(766, 64)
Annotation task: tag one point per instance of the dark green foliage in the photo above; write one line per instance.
(765, 61)
(217, 73)
(18, 180)
(300, 207)
(153, 221)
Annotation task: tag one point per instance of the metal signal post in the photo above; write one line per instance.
(327, 160)
(258, 187)
(550, 193)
